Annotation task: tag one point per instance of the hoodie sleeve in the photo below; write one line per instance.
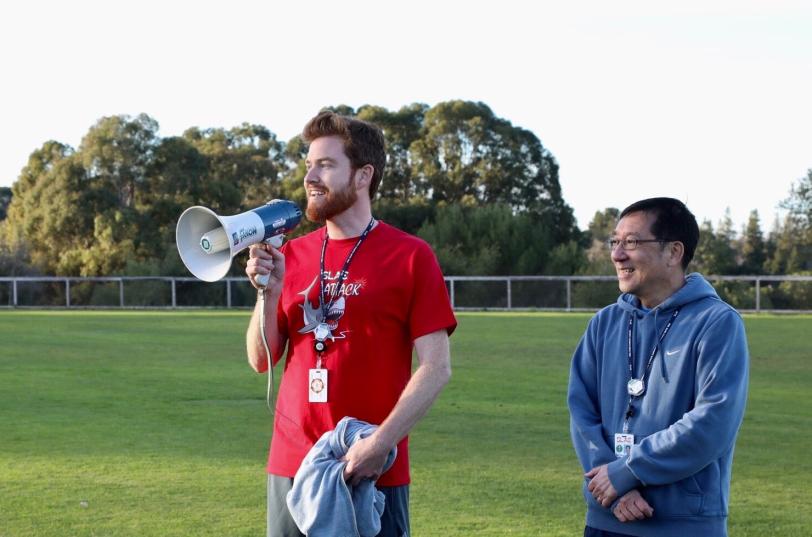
(709, 429)
(586, 428)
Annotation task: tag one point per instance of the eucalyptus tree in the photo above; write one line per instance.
(468, 155)
(243, 165)
(42, 215)
(116, 152)
(401, 129)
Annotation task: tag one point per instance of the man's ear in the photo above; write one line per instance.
(677, 251)
(363, 176)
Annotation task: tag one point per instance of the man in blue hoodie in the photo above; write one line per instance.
(658, 386)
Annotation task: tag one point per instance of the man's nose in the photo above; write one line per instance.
(618, 253)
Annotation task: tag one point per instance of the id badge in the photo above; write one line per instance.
(317, 386)
(623, 444)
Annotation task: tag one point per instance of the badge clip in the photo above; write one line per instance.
(636, 387)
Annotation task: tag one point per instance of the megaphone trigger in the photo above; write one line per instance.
(276, 241)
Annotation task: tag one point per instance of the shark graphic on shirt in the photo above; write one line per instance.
(313, 316)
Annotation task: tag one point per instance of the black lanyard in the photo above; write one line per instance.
(325, 306)
(653, 351)
(644, 380)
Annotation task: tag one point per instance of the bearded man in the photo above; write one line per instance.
(346, 305)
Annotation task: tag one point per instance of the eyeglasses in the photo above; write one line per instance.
(629, 243)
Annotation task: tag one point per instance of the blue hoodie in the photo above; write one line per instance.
(684, 428)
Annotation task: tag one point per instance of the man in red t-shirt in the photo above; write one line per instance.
(349, 301)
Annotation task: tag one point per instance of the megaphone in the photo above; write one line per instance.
(207, 241)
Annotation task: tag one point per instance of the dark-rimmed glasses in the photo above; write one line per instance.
(629, 243)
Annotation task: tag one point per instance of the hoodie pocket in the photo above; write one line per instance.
(710, 482)
(683, 498)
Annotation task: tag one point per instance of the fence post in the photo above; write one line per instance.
(121, 292)
(14, 292)
(451, 288)
(758, 295)
(67, 293)
(569, 294)
(174, 295)
(508, 293)
(228, 293)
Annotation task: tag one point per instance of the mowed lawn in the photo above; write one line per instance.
(152, 424)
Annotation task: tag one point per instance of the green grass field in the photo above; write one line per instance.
(152, 424)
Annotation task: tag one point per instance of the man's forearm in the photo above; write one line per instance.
(254, 345)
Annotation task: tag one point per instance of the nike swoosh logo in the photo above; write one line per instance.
(672, 352)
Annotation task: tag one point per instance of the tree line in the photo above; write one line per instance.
(483, 192)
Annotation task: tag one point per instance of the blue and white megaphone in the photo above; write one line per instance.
(207, 242)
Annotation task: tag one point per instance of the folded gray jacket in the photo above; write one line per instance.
(321, 502)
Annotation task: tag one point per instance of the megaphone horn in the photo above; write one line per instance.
(207, 242)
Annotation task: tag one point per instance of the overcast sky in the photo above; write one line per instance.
(705, 101)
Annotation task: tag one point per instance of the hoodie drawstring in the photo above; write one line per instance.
(663, 371)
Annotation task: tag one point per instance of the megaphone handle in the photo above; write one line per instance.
(276, 242)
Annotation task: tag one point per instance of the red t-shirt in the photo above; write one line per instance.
(392, 294)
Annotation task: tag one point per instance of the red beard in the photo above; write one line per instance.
(334, 203)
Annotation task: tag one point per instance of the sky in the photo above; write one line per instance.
(705, 101)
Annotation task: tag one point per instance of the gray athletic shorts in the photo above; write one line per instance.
(394, 521)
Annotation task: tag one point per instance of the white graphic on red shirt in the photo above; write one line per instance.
(314, 316)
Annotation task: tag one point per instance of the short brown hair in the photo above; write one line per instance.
(363, 142)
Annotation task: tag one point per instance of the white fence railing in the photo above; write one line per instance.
(510, 293)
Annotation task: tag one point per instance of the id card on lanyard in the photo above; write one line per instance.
(317, 386)
(623, 444)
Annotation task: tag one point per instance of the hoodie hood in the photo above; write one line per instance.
(695, 288)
